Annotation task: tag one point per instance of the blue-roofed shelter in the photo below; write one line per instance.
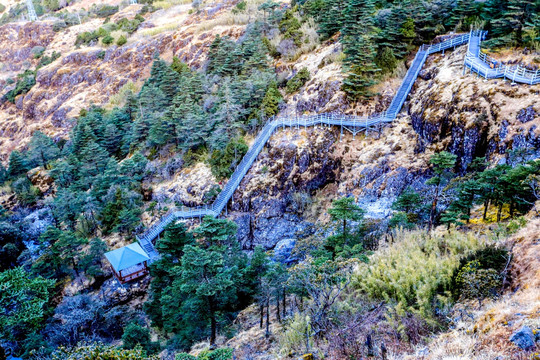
(129, 262)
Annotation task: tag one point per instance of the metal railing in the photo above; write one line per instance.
(363, 122)
(489, 68)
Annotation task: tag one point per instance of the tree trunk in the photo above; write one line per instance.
(284, 302)
(486, 207)
(75, 267)
(369, 345)
(213, 323)
(512, 207)
(278, 315)
(261, 322)
(433, 209)
(267, 334)
(499, 210)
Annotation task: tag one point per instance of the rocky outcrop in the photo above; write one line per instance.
(265, 206)
(16, 43)
(472, 118)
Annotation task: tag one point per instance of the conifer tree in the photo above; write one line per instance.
(330, 18)
(443, 164)
(42, 149)
(271, 101)
(93, 159)
(112, 138)
(17, 164)
(3, 173)
(361, 68)
(463, 13)
(358, 31)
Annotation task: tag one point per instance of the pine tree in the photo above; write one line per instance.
(3, 173)
(172, 243)
(180, 67)
(343, 211)
(93, 159)
(17, 164)
(357, 34)
(393, 35)
(42, 149)
(463, 14)
(112, 138)
(271, 101)
(330, 20)
(443, 164)
(517, 14)
(361, 68)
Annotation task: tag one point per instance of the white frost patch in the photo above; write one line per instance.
(376, 208)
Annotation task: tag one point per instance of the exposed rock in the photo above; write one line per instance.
(37, 222)
(468, 117)
(290, 164)
(118, 294)
(526, 115)
(523, 338)
(283, 251)
(41, 179)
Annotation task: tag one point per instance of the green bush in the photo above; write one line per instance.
(37, 51)
(184, 356)
(272, 50)
(2, 8)
(297, 81)
(386, 60)
(488, 258)
(101, 32)
(107, 40)
(271, 101)
(240, 7)
(121, 40)
(26, 81)
(130, 26)
(85, 38)
(46, 60)
(474, 282)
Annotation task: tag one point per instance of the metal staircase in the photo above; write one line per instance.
(31, 11)
(489, 68)
(353, 124)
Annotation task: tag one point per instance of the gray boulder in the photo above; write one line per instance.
(523, 338)
(283, 251)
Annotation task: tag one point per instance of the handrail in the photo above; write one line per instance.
(264, 135)
(490, 68)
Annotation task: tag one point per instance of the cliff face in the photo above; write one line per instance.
(471, 117)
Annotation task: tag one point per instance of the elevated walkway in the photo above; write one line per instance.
(489, 68)
(353, 124)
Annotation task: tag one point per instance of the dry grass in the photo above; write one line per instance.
(160, 29)
(250, 15)
(166, 4)
(119, 98)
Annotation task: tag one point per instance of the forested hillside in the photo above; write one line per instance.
(414, 239)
